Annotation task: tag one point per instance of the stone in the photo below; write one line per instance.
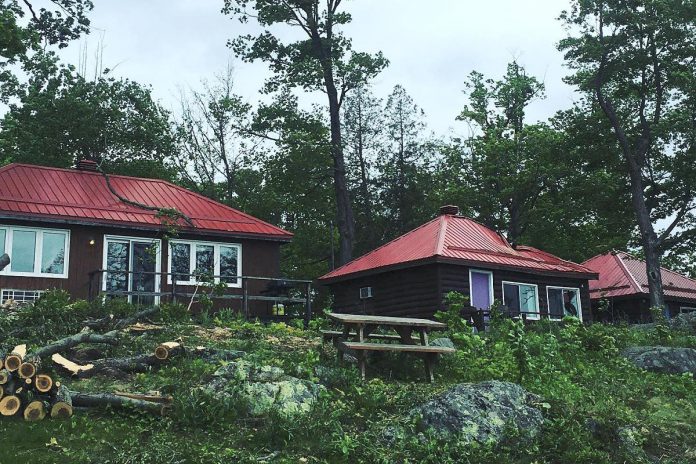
(446, 342)
(662, 359)
(263, 388)
(685, 322)
(481, 412)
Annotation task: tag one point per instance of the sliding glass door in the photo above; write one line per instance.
(131, 266)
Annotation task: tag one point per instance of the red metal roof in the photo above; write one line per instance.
(621, 274)
(456, 239)
(46, 193)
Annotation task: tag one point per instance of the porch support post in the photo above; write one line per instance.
(308, 305)
(245, 299)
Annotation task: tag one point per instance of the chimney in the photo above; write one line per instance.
(449, 209)
(87, 165)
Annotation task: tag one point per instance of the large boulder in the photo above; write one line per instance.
(481, 412)
(662, 359)
(685, 322)
(263, 389)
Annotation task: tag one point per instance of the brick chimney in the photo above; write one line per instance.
(449, 209)
(87, 165)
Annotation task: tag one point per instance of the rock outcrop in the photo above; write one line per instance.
(662, 359)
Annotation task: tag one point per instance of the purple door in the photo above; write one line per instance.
(480, 290)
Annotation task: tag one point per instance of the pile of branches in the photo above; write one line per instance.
(24, 391)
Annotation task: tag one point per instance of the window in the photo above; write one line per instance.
(687, 309)
(563, 302)
(190, 261)
(35, 252)
(523, 298)
(20, 296)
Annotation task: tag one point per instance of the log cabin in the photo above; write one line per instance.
(141, 239)
(411, 275)
(621, 291)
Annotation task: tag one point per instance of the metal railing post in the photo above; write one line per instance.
(308, 305)
(245, 299)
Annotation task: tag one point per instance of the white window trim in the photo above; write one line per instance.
(38, 293)
(688, 309)
(490, 286)
(548, 301)
(38, 252)
(158, 260)
(536, 287)
(216, 261)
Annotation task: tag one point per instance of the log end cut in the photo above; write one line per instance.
(35, 411)
(43, 383)
(9, 405)
(27, 370)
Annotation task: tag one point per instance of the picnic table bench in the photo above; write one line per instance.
(358, 328)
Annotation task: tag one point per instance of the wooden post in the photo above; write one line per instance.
(308, 305)
(245, 299)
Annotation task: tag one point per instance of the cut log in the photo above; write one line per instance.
(36, 410)
(27, 370)
(9, 405)
(167, 350)
(15, 358)
(153, 398)
(72, 367)
(4, 376)
(108, 399)
(68, 342)
(43, 383)
(61, 404)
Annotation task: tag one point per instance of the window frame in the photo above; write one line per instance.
(216, 260)
(536, 316)
(548, 301)
(689, 309)
(130, 239)
(491, 284)
(38, 251)
(38, 293)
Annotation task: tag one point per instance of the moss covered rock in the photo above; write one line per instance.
(263, 389)
(663, 359)
(483, 412)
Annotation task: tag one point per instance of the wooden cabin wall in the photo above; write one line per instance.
(407, 292)
(635, 309)
(456, 278)
(260, 258)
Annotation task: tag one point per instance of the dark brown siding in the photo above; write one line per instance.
(636, 308)
(420, 291)
(260, 258)
(406, 292)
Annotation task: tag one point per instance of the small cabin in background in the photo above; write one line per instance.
(411, 275)
(623, 286)
(71, 229)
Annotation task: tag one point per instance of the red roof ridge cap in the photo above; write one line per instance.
(567, 261)
(441, 234)
(616, 255)
(662, 268)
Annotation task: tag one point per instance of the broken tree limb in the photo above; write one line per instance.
(73, 340)
(109, 320)
(108, 399)
(61, 404)
(168, 399)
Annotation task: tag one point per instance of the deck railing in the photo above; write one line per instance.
(146, 288)
(480, 318)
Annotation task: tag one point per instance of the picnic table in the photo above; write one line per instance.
(358, 328)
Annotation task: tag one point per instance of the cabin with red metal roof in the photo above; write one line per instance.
(411, 275)
(142, 239)
(621, 291)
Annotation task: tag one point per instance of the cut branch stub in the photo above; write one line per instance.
(167, 349)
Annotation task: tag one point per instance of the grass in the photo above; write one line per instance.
(577, 370)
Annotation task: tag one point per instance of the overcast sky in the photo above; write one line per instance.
(173, 44)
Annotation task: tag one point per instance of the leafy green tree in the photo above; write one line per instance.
(404, 164)
(213, 143)
(61, 118)
(510, 162)
(26, 29)
(323, 60)
(637, 61)
(363, 136)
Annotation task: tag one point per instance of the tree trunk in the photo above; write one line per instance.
(61, 404)
(108, 399)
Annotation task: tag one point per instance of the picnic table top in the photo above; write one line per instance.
(386, 320)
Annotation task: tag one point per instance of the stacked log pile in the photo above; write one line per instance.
(25, 392)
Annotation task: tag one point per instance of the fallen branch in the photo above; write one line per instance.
(73, 340)
(109, 321)
(109, 399)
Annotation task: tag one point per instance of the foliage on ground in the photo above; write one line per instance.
(591, 396)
